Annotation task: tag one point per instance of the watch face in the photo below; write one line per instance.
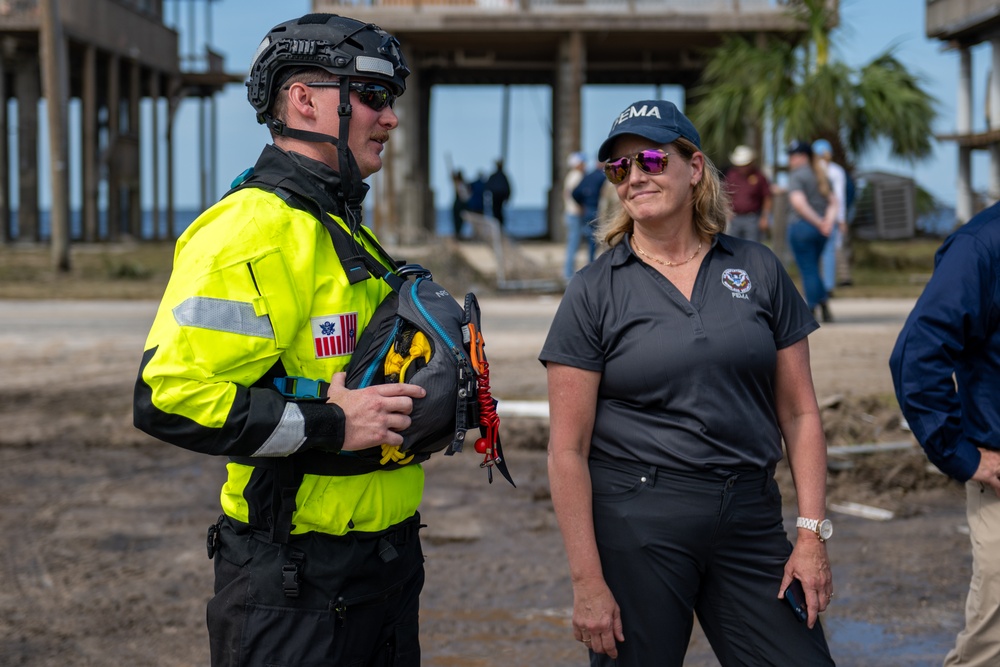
(825, 529)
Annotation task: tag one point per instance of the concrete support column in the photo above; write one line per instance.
(88, 139)
(55, 77)
(111, 154)
(202, 158)
(420, 176)
(174, 97)
(28, 91)
(964, 203)
(405, 178)
(213, 150)
(566, 104)
(154, 96)
(994, 119)
(134, 184)
(6, 233)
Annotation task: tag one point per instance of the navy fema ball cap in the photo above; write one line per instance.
(656, 120)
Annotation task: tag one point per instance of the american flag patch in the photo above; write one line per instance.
(334, 335)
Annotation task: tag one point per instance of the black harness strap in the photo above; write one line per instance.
(287, 479)
(357, 261)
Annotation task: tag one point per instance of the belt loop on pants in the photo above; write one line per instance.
(650, 477)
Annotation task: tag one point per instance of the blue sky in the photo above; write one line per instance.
(466, 122)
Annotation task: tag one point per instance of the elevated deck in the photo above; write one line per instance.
(962, 21)
(563, 44)
(961, 25)
(518, 41)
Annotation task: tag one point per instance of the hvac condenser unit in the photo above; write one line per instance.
(886, 207)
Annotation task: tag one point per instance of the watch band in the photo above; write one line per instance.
(823, 529)
(808, 524)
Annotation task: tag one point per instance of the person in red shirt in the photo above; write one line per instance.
(751, 196)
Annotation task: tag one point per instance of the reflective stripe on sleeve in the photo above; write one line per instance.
(288, 436)
(223, 315)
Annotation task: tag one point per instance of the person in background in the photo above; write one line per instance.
(587, 194)
(946, 372)
(677, 364)
(750, 193)
(477, 195)
(576, 163)
(823, 151)
(812, 217)
(317, 553)
(499, 191)
(461, 202)
(608, 206)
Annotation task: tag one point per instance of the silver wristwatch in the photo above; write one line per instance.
(823, 529)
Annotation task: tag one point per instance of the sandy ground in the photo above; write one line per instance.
(103, 528)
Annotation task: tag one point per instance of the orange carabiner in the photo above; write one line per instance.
(476, 352)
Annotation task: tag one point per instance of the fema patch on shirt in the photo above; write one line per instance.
(737, 281)
(334, 335)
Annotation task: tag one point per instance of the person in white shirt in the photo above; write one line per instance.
(838, 185)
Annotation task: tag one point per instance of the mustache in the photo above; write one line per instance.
(380, 137)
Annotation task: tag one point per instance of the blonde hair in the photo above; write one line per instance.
(709, 199)
(822, 180)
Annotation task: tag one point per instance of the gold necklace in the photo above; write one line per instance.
(665, 262)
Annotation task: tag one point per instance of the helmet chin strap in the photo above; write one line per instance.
(351, 183)
(350, 176)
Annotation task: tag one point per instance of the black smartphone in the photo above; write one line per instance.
(796, 599)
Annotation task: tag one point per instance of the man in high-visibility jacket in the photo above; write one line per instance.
(317, 554)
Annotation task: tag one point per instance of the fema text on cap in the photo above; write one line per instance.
(632, 112)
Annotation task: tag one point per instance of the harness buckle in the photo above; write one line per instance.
(293, 386)
(290, 575)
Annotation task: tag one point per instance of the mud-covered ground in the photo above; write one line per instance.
(103, 529)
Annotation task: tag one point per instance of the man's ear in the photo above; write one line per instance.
(301, 98)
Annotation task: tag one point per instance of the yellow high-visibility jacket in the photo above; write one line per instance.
(256, 292)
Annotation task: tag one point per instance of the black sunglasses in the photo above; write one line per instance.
(375, 96)
(653, 161)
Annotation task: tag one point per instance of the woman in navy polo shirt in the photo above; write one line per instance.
(677, 362)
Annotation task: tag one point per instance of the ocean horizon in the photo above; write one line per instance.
(521, 222)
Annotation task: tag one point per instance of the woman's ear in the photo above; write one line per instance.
(697, 164)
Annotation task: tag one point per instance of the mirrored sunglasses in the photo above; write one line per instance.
(653, 161)
(375, 96)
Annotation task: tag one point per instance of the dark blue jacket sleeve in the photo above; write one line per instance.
(948, 322)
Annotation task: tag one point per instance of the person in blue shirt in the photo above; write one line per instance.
(946, 372)
(477, 194)
(498, 187)
(588, 195)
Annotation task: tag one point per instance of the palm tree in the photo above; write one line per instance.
(791, 89)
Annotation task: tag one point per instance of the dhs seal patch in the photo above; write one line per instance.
(737, 281)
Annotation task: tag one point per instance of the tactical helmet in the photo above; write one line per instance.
(342, 46)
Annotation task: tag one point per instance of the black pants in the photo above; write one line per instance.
(320, 600)
(673, 545)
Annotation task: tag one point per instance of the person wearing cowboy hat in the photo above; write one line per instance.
(750, 193)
